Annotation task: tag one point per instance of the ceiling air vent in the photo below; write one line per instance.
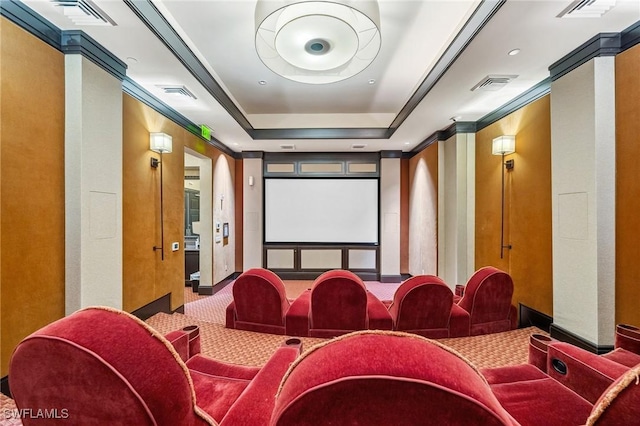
(587, 8)
(83, 12)
(491, 83)
(288, 147)
(359, 146)
(178, 90)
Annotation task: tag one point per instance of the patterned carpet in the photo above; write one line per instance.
(249, 348)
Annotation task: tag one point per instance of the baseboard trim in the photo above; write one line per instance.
(529, 317)
(563, 335)
(207, 290)
(179, 309)
(391, 278)
(4, 386)
(162, 304)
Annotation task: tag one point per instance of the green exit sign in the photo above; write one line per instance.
(206, 132)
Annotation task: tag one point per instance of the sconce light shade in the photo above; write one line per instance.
(160, 143)
(505, 144)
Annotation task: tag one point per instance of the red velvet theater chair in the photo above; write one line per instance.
(487, 299)
(385, 378)
(100, 366)
(259, 302)
(424, 305)
(337, 303)
(580, 388)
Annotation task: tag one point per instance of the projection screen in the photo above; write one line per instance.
(321, 210)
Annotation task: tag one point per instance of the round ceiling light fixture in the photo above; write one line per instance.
(317, 42)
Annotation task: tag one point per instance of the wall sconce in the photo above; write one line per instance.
(162, 144)
(504, 145)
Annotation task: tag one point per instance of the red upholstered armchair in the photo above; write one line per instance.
(424, 305)
(259, 302)
(580, 388)
(337, 303)
(487, 299)
(385, 378)
(101, 366)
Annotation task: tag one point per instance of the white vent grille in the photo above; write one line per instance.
(83, 12)
(491, 83)
(178, 90)
(587, 8)
(288, 147)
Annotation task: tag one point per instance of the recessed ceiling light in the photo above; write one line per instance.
(262, 82)
(456, 118)
(372, 81)
(407, 143)
(131, 60)
(514, 52)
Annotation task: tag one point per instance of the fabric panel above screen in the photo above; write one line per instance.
(340, 210)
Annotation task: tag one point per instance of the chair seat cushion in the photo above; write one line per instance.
(624, 357)
(215, 394)
(559, 406)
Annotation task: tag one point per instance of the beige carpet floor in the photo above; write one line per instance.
(249, 348)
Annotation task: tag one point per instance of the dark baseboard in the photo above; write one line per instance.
(530, 317)
(566, 336)
(162, 304)
(391, 278)
(207, 290)
(179, 309)
(4, 386)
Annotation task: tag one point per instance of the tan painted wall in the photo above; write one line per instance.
(145, 276)
(527, 204)
(423, 212)
(238, 216)
(627, 187)
(31, 186)
(404, 216)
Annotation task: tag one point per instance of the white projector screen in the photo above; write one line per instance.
(321, 210)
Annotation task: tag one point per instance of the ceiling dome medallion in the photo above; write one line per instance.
(317, 42)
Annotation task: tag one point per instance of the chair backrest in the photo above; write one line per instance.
(260, 297)
(103, 366)
(487, 295)
(422, 302)
(385, 378)
(620, 403)
(338, 302)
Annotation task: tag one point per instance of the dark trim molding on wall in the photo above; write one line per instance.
(136, 91)
(480, 17)
(78, 42)
(155, 21)
(208, 290)
(603, 44)
(161, 304)
(529, 317)
(563, 335)
(27, 19)
(4, 386)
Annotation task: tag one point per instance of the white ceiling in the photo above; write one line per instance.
(415, 35)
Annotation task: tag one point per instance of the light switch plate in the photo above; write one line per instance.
(175, 246)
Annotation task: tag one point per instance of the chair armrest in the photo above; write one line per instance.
(256, 403)
(628, 337)
(180, 342)
(585, 373)
(379, 316)
(231, 315)
(297, 317)
(459, 322)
